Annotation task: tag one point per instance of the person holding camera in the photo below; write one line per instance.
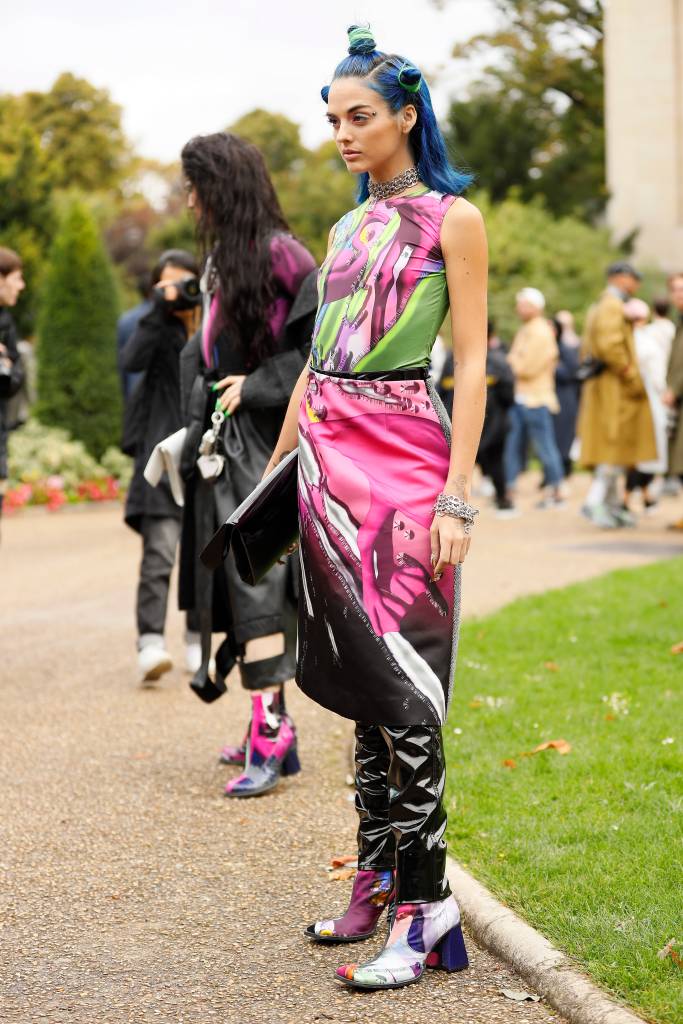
(152, 414)
(11, 369)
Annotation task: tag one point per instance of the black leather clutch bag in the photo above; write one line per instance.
(261, 530)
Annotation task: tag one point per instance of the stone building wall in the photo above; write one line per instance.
(644, 113)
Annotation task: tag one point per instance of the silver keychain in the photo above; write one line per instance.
(210, 463)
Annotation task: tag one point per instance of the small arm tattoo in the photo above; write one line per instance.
(283, 455)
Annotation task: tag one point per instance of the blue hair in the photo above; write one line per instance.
(400, 84)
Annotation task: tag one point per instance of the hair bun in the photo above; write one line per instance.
(410, 78)
(361, 40)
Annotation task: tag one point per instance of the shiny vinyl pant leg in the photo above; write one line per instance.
(376, 848)
(417, 776)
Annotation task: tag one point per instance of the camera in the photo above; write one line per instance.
(189, 294)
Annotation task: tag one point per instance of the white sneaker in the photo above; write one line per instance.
(193, 657)
(153, 662)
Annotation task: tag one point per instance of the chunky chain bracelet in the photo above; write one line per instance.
(451, 505)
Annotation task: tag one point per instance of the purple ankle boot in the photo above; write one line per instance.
(371, 893)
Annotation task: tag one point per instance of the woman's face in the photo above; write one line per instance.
(192, 199)
(11, 287)
(367, 132)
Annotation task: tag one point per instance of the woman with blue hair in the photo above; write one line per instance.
(384, 497)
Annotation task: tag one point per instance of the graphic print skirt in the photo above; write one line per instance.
(377, 638)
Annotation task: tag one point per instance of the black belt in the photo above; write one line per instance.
(412, 373)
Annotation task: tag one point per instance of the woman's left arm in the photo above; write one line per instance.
(463, 243)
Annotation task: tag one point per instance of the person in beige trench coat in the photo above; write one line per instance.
(673, 396)
(615, 422)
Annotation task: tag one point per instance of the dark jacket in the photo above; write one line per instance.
(10, 382)
(500, 396)
(153, 409)
(247, 442)
(125, 328)
(568, 390)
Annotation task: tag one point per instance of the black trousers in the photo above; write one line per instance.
(492, 464)
(400, 779)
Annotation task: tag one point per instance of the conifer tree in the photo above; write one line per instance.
(78, 386)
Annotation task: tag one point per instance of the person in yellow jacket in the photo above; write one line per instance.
(533, 357)
(615, 423)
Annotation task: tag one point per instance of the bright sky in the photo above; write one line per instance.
(179, 68)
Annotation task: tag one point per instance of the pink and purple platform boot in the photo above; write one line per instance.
(271, 749)
(422, 935)
(371, 893)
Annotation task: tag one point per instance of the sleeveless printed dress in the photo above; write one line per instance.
(377, 638)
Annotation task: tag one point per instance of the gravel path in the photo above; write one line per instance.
(130, 890)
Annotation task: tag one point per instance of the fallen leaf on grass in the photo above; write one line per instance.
(551, 666)
(561, 746)
(518, 995)
(677, 648)
(475, 703)
(341, 874)
(509, 762)
(669, 951)
(347, 858)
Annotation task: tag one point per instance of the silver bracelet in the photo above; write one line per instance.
(451, 505)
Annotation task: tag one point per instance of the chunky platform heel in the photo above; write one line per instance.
(291, 764)
(423, 935)
(450, 953)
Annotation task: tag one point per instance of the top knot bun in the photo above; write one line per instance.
(361, 40)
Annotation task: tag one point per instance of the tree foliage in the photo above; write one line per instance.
(313, 186)
(77, 378)
(80, 131)
(69, 137)
(534, 118)
(564, 257)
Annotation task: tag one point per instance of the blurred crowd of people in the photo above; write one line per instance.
(609, 401)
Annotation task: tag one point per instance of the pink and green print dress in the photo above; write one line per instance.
(377, 638)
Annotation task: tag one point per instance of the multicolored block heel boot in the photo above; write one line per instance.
(423, 935)
(271, 749)
(371, 893)
(234, 755)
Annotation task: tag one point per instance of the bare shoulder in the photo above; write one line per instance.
(463, 231)
(462, 227)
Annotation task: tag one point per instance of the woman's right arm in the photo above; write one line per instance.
(289, 435)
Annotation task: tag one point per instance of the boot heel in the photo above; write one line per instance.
(450, 953)
(291, 764)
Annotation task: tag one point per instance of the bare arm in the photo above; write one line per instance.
(463, 241)
(289, 435)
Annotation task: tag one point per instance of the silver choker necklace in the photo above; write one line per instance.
(384, 189)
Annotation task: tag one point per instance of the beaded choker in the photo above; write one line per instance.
(384, 189)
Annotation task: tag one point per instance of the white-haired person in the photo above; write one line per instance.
(533, 357)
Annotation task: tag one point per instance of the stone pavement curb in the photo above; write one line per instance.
(549, 972)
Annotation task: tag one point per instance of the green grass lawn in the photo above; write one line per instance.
(586, 846)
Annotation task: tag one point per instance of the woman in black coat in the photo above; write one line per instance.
(259, 312)
(152, 414)
(11, 367)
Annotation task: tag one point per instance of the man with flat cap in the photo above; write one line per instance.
(615, 422)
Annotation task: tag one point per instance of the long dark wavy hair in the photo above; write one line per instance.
(238, 214)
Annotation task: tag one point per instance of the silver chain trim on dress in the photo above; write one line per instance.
(384, 189)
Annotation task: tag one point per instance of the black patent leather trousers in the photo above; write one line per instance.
(400, 779)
